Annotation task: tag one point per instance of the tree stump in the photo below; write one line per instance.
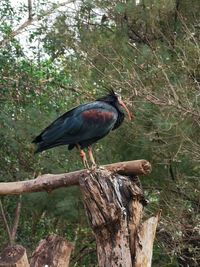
(54, 251)
(14, 256)
(114, 206)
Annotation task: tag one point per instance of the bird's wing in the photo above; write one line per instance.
(83, 122)
(57, 127)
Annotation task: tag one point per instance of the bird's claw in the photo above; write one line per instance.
(101, 168)
(86, 165)
(94, 167)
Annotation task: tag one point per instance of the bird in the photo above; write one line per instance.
(84, 125)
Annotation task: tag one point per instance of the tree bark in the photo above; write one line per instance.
(54, 251)
(14, 256)
(49, 182)
(114, 206)
(144, 242)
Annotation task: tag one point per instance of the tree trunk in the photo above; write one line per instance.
(114, 206)
(144, 242)
(14, 256)
(54, 251)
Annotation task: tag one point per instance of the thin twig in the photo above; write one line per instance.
(5, 222)
(30, 14)
(85, 253)
(16, 219)
(30, 20)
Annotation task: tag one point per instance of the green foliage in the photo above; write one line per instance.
(149, 52)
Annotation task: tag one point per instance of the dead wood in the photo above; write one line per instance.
(144, 242)
(53, 251)
(49, 182)
(114, 206)
(14, 256)
(114, 203)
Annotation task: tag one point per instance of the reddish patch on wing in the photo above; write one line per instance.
(97, 115)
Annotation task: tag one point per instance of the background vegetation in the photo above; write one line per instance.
(54, 56)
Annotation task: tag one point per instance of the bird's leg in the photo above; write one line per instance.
(91, 157)
(84, 159)
(83, 156)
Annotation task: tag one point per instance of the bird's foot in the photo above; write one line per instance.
(101, 167)
(86, 165)
(84, 159)
(94, 167)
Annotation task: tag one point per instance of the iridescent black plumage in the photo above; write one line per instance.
(83, 125)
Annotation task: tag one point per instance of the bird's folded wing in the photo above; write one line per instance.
(87, 121)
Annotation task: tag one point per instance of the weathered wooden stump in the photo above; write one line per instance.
(114, 206)
(14, 256)
(53, 251)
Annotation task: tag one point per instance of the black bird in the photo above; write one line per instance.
(84, 125)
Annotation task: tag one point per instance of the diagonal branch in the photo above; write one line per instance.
(30, 20)
(49, 182)
(16, 219)
(5, 222)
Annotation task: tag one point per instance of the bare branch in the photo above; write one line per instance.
(16, 32)
(30, 20)
(5, 222)
(16, 219)
(30, 15)
(49, 182)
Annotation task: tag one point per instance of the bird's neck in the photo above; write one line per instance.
(120, 117)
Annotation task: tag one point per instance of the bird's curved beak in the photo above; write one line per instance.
(125, 107)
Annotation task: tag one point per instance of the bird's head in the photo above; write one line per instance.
(115, 99)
